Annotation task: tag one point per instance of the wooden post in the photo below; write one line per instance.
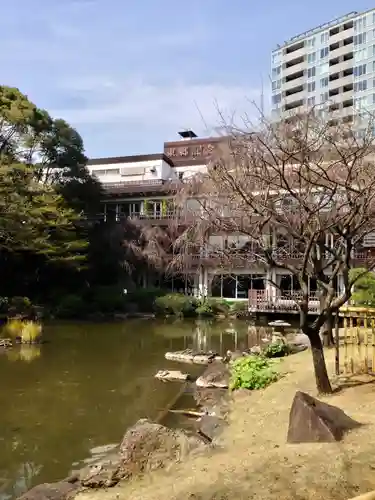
(337, 344)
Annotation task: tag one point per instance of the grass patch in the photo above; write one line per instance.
(27, 331)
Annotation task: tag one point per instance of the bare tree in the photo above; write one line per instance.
(300, 197)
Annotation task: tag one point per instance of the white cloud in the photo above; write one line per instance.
(172, 106)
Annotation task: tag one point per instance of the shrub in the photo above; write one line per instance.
(212, 307)
(31, 332)
(27, 331)
(144, 298)
(71, 306)
(205, 309)
(252, 372)
(176, 304)
(107, 299)
(276, 350)
(20, 306)
(240, 309)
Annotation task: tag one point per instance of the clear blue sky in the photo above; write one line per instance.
(128, 74)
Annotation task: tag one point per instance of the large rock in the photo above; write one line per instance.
(215, 375)
(51, 491)
(105, 472)
(210, 426)
(147, 446)
(311, 421)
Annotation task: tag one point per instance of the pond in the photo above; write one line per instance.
(85, 386)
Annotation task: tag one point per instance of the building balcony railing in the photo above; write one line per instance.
(282, 302)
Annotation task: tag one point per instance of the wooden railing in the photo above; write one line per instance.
(287, 302)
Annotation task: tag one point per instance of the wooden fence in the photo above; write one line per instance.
(357, 340)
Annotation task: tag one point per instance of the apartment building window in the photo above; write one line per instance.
(360, 102)
(360, 55)
(311, 72)
(276, 72)
(371, 51)
(360, 86)
(324, 52)
(276, 57)
(276, 99)
(324, 97)
(311, 101)
(324, 82)
(276, 85)
(311, 87)
(360, 24)
(324, 68)
(311, 42)
(311, 58)
(360, 70)
(324, 37)
(359, 39)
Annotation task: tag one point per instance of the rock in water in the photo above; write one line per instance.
(172, 376)
(312, 421)
(215, 375)
(51, 491)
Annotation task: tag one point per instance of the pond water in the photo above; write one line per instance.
(85, 386)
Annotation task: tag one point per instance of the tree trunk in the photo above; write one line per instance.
(321, 376)
(327, 332)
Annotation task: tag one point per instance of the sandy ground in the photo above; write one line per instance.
(253, 459)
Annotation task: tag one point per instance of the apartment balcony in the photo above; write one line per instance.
(341, 35)
(341, 66)
(341, 82)
(291, 84)
(342, 50)
(290, 99)
(295, 68)
(295, 54)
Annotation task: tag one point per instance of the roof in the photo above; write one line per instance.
(130, 159)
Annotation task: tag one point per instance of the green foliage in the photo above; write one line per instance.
(364, 287)
(143, 299)
(71, 306)
(212, 307)
(107, 299)
(240, 309)
(252, 372)
(276, 350)
(175, 304)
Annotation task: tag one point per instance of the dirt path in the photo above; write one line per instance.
(254, 460)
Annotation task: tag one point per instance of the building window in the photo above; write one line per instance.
(311, 87)
(311, 101)
(311, 57)
(276, 57)
(360, 24)
(276, 99)
(324, 52)
(360, 102)
(359, 39)
(324, 37)
(360, 70)
(106, 171)
(324, 68)
(311, 42)
(324, 82)
(276, 85)
(311, 72)
(360, 86)
(324, 97)
(360, 55)
(276, 72)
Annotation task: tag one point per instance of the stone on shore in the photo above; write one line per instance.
(172, 376)
(215, 375)
(62, 490)
(5, 343)
(145, 447)
(312, 421)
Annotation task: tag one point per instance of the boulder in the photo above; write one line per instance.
(172, 376)
(51, 491)
(190, 356)
(148, 446)
(5, 343)
(215, 375)
(312, 421)
(105, 472)
(210, 426)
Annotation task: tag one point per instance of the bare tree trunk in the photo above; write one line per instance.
(321, 376)
(327, 332)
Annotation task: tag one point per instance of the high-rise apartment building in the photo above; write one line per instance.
(332, 65)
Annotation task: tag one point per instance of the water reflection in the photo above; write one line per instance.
(24, 352)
